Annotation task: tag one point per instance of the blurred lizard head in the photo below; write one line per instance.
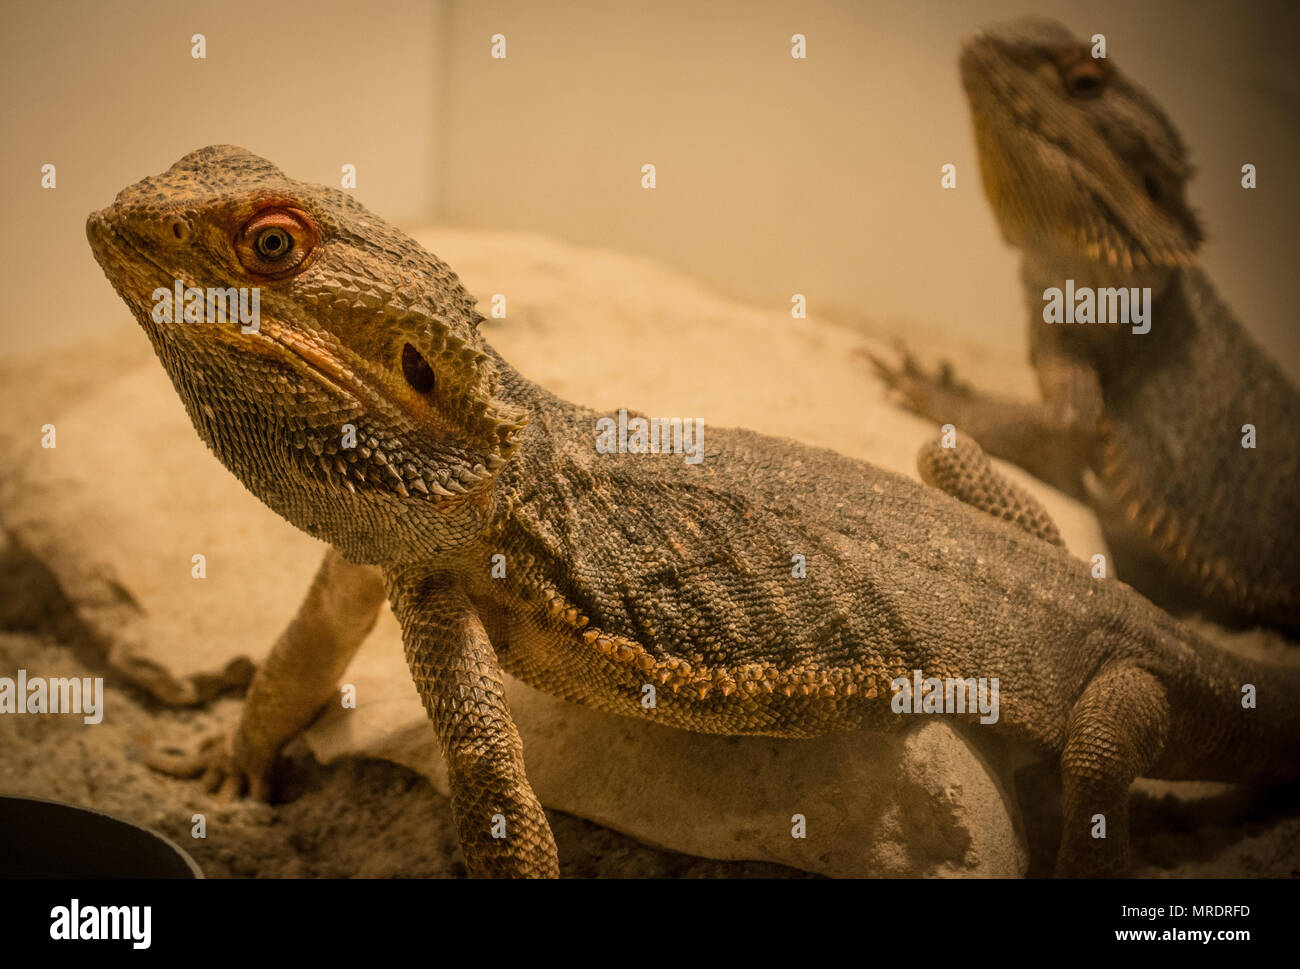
(1080, 165)
(329, 361)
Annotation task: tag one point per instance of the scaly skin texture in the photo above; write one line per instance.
(1087, 177)
(625, 572)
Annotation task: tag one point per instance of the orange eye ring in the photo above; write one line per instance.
(276, 243)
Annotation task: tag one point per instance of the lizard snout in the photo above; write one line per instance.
(95, 225)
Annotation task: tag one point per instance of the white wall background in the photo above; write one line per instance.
(108, 93)
(775, 175)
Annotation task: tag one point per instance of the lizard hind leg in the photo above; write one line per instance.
(965, 472)
(1117, 730)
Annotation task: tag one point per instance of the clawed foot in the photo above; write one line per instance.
(222, 764)
(916, 389)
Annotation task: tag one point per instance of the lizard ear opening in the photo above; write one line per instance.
(416, 370)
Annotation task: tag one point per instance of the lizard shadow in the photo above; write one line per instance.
(1137, 565)
(1173, 825)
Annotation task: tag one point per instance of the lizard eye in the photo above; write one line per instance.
(273, 243)
(1086, 77)
(416, 370)
(276, 243)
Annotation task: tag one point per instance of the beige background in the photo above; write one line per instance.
(775, 175)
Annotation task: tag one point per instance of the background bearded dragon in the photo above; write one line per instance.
(1088, 178)
(626, 575)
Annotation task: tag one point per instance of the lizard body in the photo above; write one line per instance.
(624, 572)
(1087, 177)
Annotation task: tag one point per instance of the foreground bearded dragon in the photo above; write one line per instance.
(1088, 179)
(506, 542)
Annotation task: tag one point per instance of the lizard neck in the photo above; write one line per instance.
(554, 449)
(1112, 349)
(1044, 267)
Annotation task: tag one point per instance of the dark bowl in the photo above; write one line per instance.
(45, 839)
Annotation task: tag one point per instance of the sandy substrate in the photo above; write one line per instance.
(362, 817)
(358, 817)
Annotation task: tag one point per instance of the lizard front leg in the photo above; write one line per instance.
(298, 677)
(1051, 439)
(1117, 730)
(503, 829)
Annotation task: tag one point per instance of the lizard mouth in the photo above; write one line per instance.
(305, 353)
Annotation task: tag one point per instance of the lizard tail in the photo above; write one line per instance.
(963, 470)
(1232, 719)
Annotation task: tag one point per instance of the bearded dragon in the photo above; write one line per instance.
(478, 505)
(1088, 179)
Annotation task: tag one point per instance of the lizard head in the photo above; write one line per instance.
(328, 360)
(1080, 165)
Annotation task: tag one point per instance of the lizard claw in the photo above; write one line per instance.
(908, 383)
(224, 769)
